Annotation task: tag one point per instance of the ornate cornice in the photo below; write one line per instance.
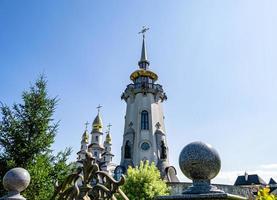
(155, 89)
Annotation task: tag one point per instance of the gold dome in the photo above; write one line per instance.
(108, 138)
(97, 124)
(85, 136)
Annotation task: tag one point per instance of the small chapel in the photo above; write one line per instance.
(102, 151)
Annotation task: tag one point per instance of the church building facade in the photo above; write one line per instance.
(101, 151)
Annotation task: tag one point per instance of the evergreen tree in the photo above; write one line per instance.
(27, 131)
(144, 182)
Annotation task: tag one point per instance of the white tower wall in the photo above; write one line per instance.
(154, 108)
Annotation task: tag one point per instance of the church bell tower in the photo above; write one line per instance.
(144, 132)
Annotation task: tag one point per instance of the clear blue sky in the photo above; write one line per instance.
(216, 60)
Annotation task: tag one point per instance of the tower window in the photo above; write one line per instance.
(144, 120)
(96, 138)
(95, 153)
(127, 150)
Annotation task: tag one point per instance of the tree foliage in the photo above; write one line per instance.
(144, 182)
(27, 131)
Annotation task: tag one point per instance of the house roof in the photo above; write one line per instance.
(251, 179)
(107, 153)
(273, 186)
(95, 146)
(272, 181)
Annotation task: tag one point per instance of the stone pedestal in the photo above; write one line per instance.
(13, 196)
(200, 162)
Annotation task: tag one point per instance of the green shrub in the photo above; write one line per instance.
(144, 182)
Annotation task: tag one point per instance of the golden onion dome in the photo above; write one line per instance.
(97, 124)
(108, 138)
(85, 136)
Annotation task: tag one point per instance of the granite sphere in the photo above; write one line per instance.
(16, 179)
(199, 161)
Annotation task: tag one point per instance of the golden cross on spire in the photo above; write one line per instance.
(86, 124)
(98, 108)
(144, 30)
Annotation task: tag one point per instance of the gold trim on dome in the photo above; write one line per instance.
(97, 127)
(145, 73)
(109, 138)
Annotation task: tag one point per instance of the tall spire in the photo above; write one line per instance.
(143, 63)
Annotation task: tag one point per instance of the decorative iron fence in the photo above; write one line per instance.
(89, 183)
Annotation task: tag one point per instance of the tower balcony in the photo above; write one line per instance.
(135, 88)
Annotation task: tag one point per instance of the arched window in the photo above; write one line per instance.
(144, 120)
(127, 150)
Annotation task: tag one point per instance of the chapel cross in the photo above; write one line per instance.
(143, 31)
(86, 124)
(109, 127)
(98, 108)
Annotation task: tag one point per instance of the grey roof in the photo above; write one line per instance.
(273, 186)
(95, 146)
(107, 153)
(272, 181)
(251, 179)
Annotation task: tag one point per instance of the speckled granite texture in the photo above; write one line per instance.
(199, 161)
